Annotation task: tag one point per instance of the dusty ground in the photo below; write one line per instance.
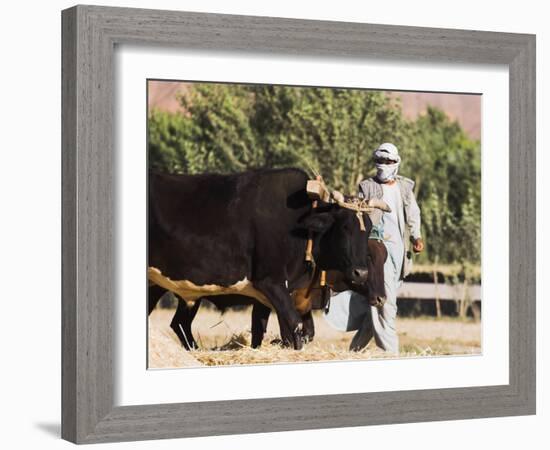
(225, 339)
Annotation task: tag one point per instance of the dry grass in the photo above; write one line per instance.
(225, 340)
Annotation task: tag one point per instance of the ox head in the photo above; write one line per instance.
(340, 231)
(373, 289)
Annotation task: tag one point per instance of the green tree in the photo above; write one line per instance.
(170, 146)
(447, 169)
(332, 131)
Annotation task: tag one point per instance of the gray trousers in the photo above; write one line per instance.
(379, 322)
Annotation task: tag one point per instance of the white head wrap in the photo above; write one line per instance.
(386, 172)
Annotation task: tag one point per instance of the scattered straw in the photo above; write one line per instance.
(230, 344)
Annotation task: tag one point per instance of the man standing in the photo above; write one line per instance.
(397, 228)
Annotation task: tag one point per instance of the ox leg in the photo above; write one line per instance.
(375, 279)
(286, 312)
(153, 296)
(287, 337)
(181, 323)
(308, 331)
(260, 317)
(309, 326)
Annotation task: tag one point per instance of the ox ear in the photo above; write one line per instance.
(317, 222)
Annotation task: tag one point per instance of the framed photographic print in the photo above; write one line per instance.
(284, 217)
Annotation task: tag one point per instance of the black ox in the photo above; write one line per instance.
(246, 234)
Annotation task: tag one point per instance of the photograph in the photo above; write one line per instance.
(291, 224)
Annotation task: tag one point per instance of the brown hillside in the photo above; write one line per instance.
(163, 95)
(465, 108)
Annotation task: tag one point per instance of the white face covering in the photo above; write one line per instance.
(386, 172)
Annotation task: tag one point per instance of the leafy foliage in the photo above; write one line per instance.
(231, 128)
(447, 169)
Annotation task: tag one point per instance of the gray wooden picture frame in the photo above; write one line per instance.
(89, 36)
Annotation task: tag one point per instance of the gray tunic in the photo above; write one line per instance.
(408, 217)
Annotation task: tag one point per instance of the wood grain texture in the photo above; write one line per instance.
(522, 186)
(88, 270)
(68, 224)
(89, 36)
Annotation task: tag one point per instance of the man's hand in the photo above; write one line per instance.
(418, 245)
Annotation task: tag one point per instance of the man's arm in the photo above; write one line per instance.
(413, 217)
(366, 191)
(361, 191)
(414, 222)
(412, 213)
